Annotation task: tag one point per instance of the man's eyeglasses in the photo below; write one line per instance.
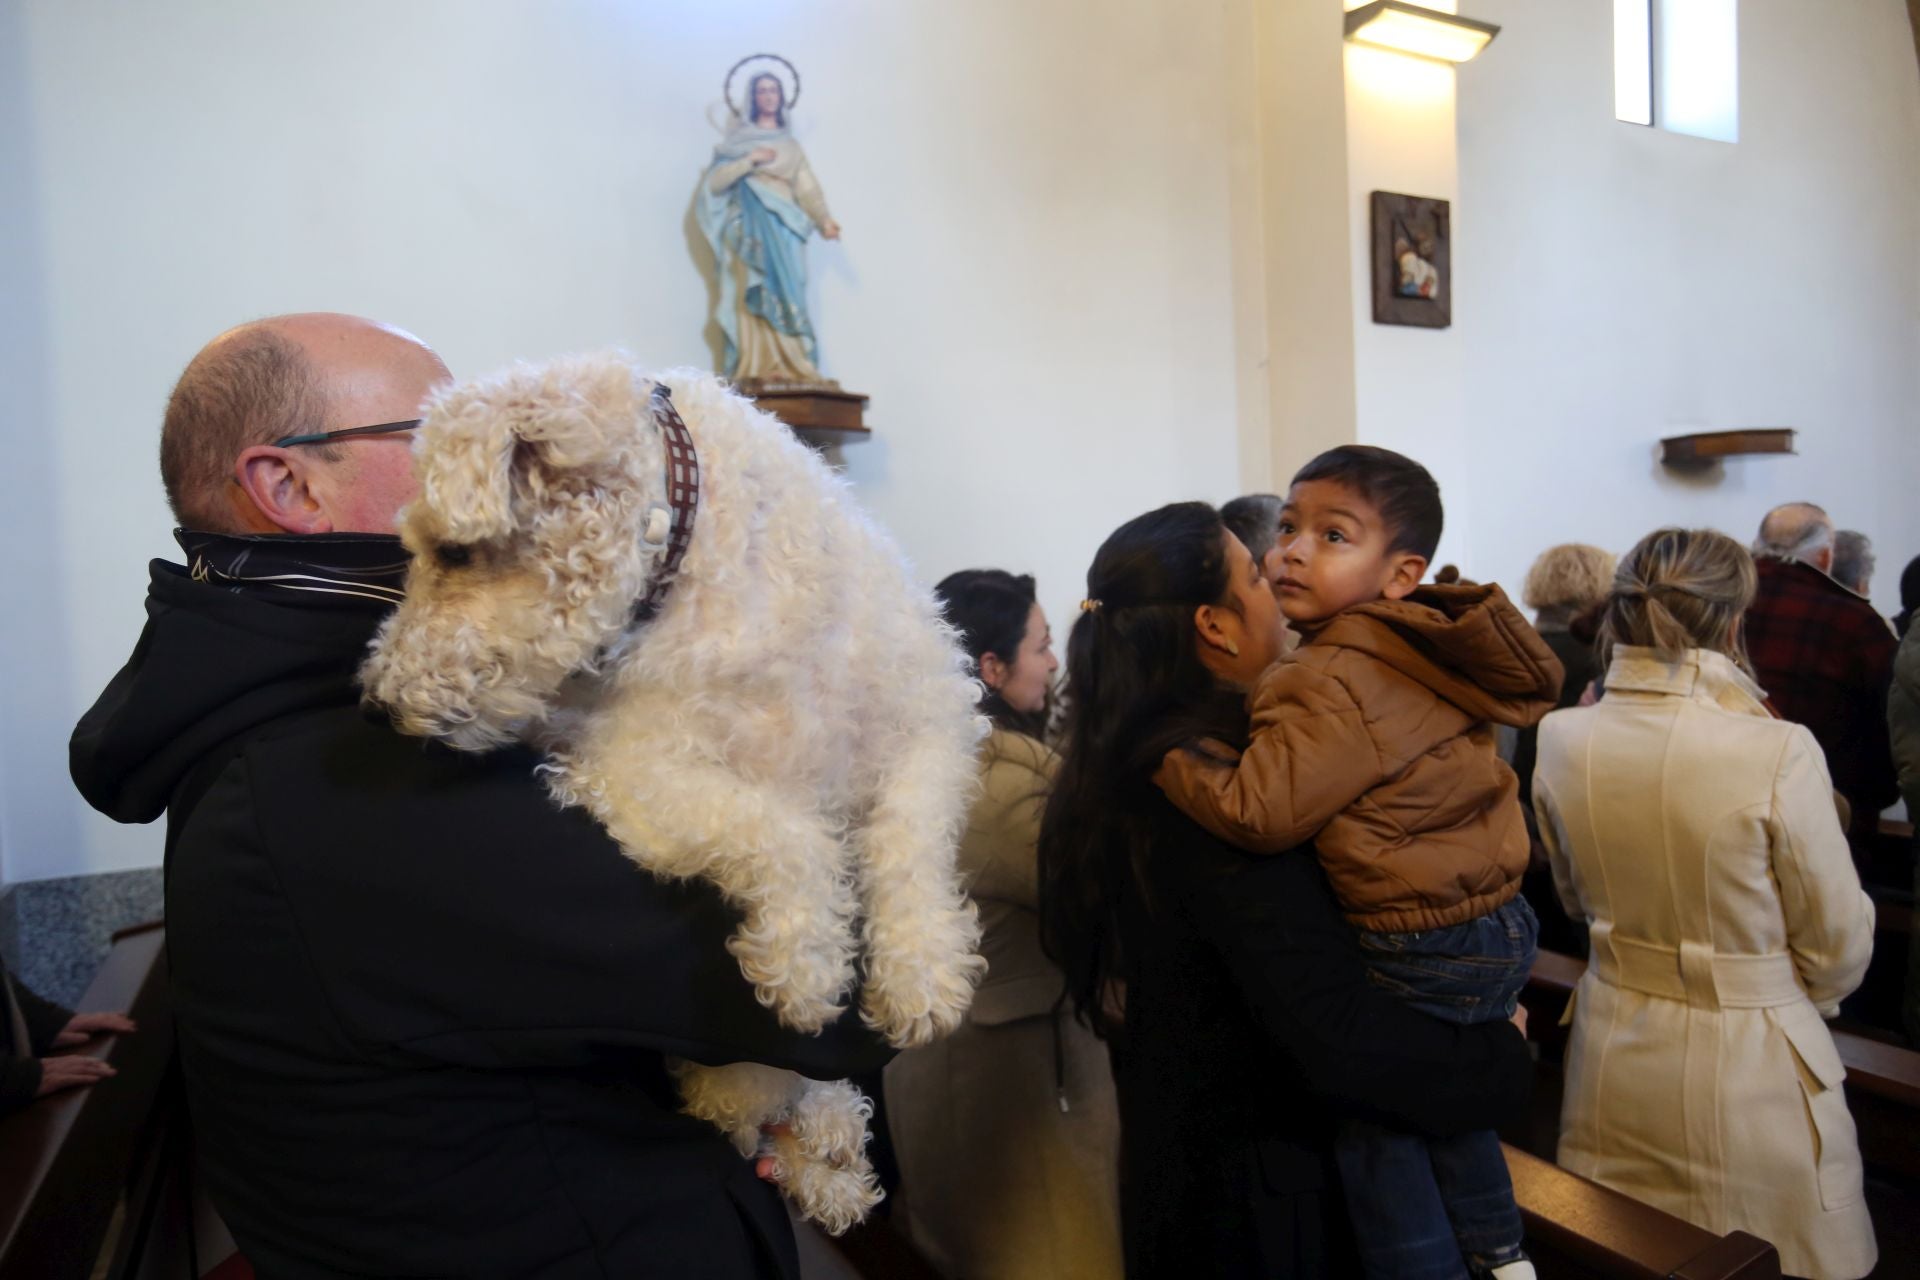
(327, 437)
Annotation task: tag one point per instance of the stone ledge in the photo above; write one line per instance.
(54, 933)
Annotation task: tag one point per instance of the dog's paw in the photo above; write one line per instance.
(834, 1199)
(821, 1162)
(830, 1120)
(805, 986)
(921, 989)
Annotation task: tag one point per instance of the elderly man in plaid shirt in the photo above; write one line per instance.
(1824, 657)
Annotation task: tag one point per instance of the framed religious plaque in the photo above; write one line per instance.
(1412, 261)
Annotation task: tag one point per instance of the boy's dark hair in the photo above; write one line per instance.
(1255, 520)
(1400, 488)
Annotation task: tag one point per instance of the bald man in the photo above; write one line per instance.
(223, 446)
(423, 1013)
(1825, 658)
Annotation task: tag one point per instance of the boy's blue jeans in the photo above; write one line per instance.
(1419, 1204)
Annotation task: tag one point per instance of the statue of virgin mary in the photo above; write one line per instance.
(757, 204)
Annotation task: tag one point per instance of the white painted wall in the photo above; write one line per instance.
(1409, 382)
(1616, 284)
(1051, 282)
(1035, 284)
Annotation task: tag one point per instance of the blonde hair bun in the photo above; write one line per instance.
(1681, 589)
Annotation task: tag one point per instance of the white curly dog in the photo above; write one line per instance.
(790, 720)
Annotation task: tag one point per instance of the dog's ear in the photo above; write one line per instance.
(582, 410)
(484, 439)
(466, 473)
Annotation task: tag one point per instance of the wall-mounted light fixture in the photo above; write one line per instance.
(1423, 32)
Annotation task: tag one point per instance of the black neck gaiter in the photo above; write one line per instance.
(321, 570)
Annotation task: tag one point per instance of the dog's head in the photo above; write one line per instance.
(530, 546)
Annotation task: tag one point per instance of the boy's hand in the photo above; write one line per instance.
(1519, 1019)
(1205, 753)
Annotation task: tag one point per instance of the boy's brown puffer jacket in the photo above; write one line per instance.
(1375, 740)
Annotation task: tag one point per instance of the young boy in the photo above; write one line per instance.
(1375, 741)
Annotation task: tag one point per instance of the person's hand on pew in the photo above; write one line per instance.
(85, 1026)
(1519, 1019)
(68, 1071)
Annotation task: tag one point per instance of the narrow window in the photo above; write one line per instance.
(1697, 53)
(1676, 64)
(1633, 61)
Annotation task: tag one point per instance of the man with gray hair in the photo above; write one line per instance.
(1255, 520)
(1797, 531)
(1853, 561)
(1824, 657)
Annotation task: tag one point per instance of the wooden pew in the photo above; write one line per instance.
(1576, 1230)
(1579, 1230)
(1883, 1093)
(90, 1176)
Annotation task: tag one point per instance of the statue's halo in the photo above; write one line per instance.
(790, 83)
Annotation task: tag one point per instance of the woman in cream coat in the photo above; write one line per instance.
(1697, 835)
(1008, 1131)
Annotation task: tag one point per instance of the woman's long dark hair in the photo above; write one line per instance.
(990, 608)
(1136, 688)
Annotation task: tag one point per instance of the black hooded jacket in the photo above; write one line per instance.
(422, 1010)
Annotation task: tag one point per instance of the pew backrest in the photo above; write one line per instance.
(69, 1161)
(1576, 1227)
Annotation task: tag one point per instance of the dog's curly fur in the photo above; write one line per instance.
(795, 725)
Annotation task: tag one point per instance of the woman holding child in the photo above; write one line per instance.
(1246, 1029)
(1696, 833)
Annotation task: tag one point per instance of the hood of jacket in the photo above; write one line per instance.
(212, 664)
(1466, 643)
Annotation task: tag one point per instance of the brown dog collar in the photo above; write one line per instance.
(683, 500)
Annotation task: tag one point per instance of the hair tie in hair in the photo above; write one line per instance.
(1090, 606)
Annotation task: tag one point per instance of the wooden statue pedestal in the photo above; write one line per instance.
(819, 413)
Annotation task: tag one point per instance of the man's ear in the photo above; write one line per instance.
(1823, 560)
(1404, 574)
(276, 488)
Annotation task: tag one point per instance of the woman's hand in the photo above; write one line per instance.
(763, 155)
(830, 229)
(1519, 1019)
(70, 1072)
(85, 1026)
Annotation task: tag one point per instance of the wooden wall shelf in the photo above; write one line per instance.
(1705, 447)
(820, 416)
